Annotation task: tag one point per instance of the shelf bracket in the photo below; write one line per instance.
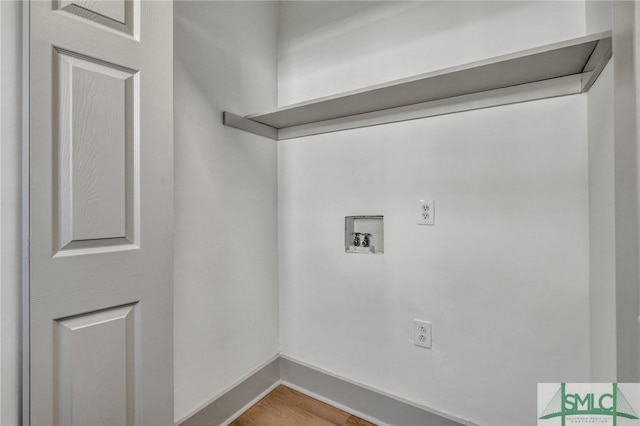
(596, 63)
(251, 126)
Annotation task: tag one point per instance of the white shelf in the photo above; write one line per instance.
(560, 69)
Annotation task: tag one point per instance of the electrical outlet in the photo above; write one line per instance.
(426, 212)
(422, 333)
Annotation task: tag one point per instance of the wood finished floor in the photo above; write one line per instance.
(287, 407)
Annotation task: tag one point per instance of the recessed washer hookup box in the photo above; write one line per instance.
(364, 234)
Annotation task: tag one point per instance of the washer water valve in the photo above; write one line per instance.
(364, 234)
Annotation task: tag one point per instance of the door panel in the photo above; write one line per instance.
(100, 295)
(96, 140)
(90, 394)
(116, 14)
(113, 10)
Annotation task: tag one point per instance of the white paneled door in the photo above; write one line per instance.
(99, 295)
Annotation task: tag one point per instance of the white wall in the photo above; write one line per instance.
(226, 277)
(504, 273)
(602, 250)
(10, 213)
(598, 14)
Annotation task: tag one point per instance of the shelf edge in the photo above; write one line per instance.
(561, 86)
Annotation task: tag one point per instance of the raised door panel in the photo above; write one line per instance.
(116, 14)
(112, 9)
(97, 156)
(95, 371)
(96, 163)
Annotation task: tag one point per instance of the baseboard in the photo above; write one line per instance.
(361, 401)
(250, 404)
(231, 404)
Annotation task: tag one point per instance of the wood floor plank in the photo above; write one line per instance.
(357, 421)
(276, 414)
(287, 407)
(324, 411)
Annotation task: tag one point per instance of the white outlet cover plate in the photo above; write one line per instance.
(422, 333)
(426, 212)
